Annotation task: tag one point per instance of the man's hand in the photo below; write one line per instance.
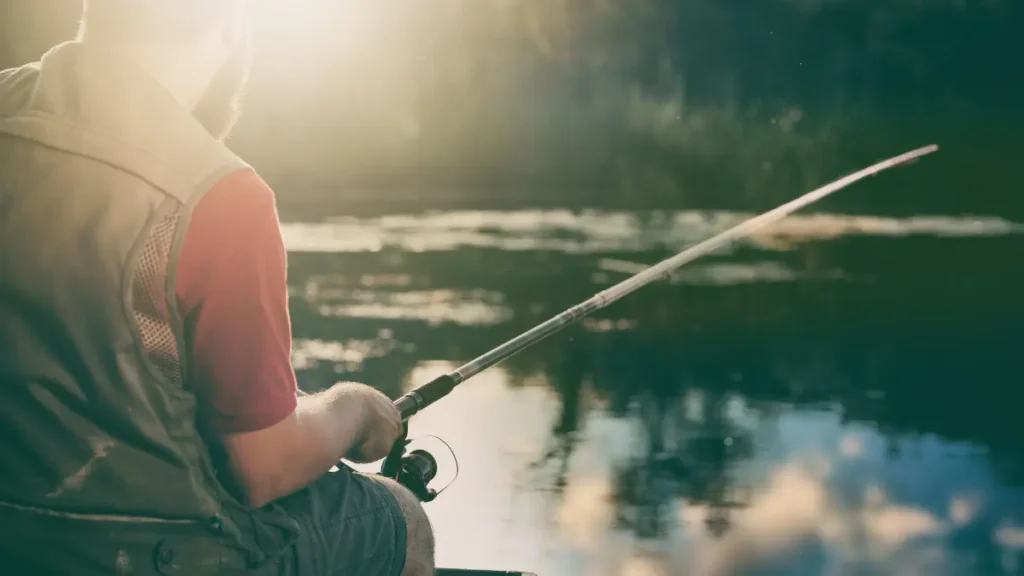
(348, 420)
(381, 424)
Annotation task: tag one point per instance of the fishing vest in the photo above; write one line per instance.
(102, 467)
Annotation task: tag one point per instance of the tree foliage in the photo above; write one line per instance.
(711, 103)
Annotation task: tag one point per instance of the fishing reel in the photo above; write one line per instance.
(416, 468)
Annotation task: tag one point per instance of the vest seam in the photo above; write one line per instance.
(93, 516)
(37, 115)
(42, 117)
(76, 151)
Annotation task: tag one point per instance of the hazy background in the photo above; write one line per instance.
(638, 103)
(839, 395)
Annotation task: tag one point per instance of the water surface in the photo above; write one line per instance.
(836, 396)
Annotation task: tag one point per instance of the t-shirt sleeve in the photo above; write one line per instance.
(232, 291)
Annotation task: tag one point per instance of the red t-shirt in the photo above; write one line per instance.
(233, 295)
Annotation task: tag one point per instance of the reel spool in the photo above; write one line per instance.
(415, 467)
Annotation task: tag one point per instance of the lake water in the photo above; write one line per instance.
(838, 396)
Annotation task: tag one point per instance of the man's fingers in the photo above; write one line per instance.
(384, 428)
(371, 451)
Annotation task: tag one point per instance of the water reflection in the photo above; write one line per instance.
(844, 407)
(752, 482)
(589, 231)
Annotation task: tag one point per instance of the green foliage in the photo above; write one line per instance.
(637, 103)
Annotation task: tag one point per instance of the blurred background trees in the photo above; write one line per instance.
(626, 103)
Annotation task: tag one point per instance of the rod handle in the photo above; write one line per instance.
(418, 399)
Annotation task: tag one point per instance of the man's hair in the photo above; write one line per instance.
(155, 21)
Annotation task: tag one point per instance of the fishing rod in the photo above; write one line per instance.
(416, 400)
(416, 469)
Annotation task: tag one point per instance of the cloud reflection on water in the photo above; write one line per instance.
(434, 308)
(809, 510)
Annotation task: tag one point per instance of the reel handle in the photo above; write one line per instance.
(392, 465)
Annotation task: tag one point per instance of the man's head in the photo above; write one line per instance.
(194, 35)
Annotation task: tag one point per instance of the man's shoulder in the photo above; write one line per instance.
(239, 195)
(233, 235)
(243, 184)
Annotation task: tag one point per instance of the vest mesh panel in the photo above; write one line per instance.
(149, 299)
